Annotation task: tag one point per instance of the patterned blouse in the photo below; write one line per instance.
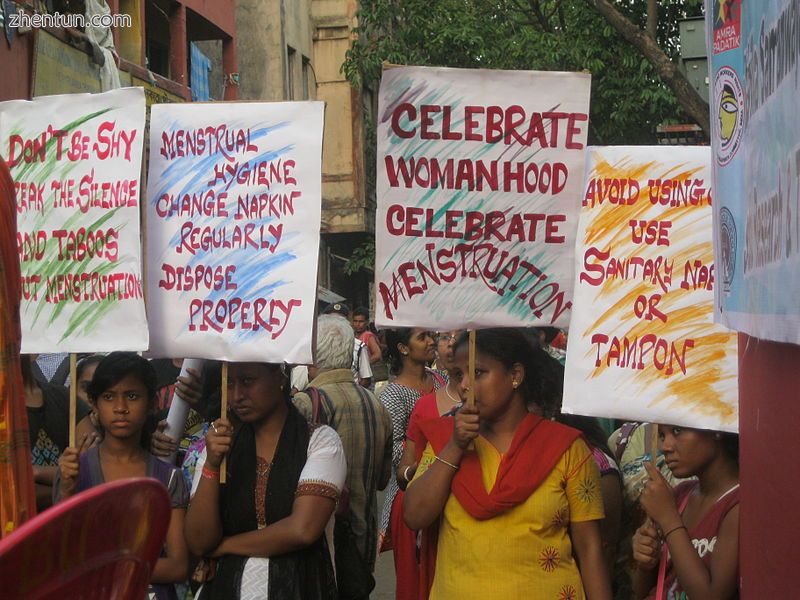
(400, 400)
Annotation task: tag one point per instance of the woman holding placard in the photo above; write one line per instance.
(690, 546)
(123, 395)
(410, 351)
(267, 524)
(517, 496)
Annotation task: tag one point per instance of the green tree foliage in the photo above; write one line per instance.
(628, 98)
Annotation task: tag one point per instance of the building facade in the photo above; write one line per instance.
(294, 50)
(154, 48)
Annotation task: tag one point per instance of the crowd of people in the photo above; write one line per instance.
(505, 497)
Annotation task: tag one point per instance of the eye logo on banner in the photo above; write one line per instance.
(727, 230)
(729, 104)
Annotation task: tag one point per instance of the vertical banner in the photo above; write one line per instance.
(643, 345)
(76, 163)
(17, 492)
(755, 65)
(233, 219)
(478, 183)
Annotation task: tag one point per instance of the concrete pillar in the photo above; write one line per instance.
(178, 47)
(229, 66)
(769, 415)
(114, 6)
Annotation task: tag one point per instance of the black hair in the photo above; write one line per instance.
(287, 386)
(589, 427)
(25, 366)
(117, 366)
(86, 361)
(401, 335)
(544, 377)
(730, 445)
(550, 333)
(361, 311)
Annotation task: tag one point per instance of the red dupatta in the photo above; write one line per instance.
(537, 447)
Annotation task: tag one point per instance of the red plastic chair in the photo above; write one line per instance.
(101, 544)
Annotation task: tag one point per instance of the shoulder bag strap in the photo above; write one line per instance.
(662, 564)
(314, 394)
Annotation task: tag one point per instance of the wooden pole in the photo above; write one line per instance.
(471, 374)
(223, 412)
(73, 397)
(654, 445)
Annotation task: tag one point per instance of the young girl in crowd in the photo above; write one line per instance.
(691, 548)
(123, 394)
(47, 406)
(518, 512)
(266, 524)
(438, 403)
(410, 351)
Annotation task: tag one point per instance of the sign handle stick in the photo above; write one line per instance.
(471, 390)
(73, 397)
(223, 412)
(654, 445)
(653, 457)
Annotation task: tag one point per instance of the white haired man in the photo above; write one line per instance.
(363, 424)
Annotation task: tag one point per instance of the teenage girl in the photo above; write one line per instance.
(690, 546)
(123, 394)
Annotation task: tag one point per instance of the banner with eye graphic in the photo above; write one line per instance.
(754, 50)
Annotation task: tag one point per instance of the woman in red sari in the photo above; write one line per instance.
(410, 351)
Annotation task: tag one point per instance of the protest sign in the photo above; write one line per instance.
(478, 185)
(233, 220)
(755, 65)
(642, 342)
(76, 163)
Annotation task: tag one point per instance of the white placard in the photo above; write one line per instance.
(76, 164)
(233, 220)
(643, 345)
(478, 182)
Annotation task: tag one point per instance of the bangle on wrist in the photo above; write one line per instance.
(209, 473)
(673, 530)
(405, 473)
(443, 461)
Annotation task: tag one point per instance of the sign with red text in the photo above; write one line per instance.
(478, 184)
(643, 345)
(76, 162)
(233, 220)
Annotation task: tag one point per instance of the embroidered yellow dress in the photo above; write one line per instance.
(524, 553)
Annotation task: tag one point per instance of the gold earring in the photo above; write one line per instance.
(515, 384)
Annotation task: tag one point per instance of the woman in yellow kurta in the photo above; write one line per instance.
(520, 509)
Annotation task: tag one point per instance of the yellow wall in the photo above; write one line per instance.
(319, 31)
(344, 207)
